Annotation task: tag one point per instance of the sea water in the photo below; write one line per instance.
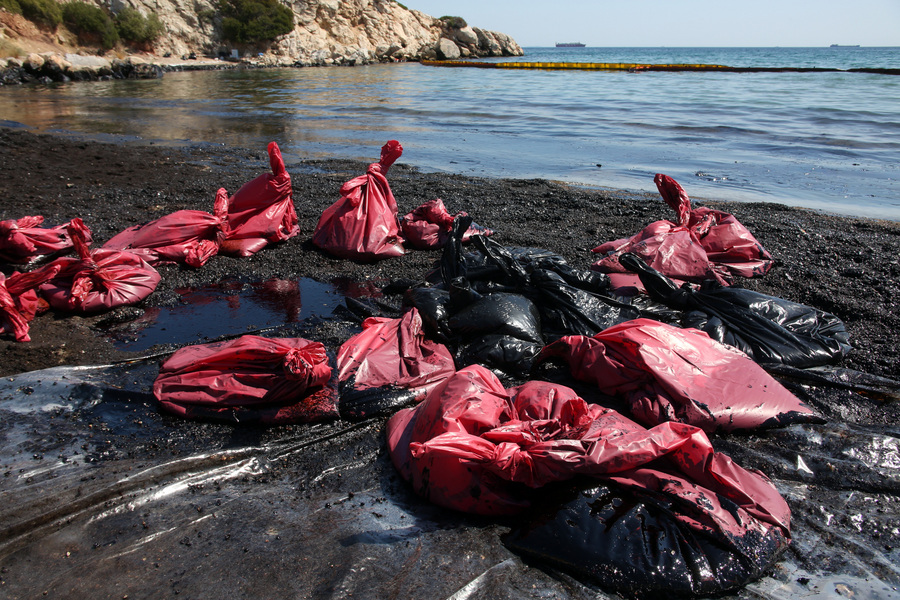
(823, 140)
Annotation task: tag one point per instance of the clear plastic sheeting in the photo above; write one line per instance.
(104, 496)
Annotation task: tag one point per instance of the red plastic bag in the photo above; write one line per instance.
(703, 244)
(672, 374)
(428, 226)
(99, 279)
(249, 379)
(363, 225)
(474, 446)
(389, 363)
(22, 240)
(19, 301)
(190, 237)
(262, 211)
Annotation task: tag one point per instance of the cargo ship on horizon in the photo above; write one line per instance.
(569, 45)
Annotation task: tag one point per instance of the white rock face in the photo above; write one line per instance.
(447, 50)
(325, 32)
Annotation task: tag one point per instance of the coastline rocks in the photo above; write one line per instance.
(52, 67)
(326, 33)
(447, 50)
(353, 32)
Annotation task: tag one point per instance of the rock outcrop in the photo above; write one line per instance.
(364, 31)
(350, 32)
(326, 32)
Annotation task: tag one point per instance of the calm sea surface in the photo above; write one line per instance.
(824, 140)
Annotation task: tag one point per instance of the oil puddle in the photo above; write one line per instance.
(233, 308)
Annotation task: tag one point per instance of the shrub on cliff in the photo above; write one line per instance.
(454, 22)
(45, 12)
(254, 21)
(12, 6)
(90, 24)
(136, 28)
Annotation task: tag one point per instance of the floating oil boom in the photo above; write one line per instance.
(638, 67)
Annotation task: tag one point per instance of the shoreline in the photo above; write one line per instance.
(275, 490)
(50, 67)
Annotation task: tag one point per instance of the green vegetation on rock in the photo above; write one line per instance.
(91, 24)
(254, 21)
(44, 12)
(454, 22)
(12, 6)
(136, 28)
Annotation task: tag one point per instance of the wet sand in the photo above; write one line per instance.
(843, 490)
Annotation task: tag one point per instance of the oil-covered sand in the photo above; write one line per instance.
(103, 496)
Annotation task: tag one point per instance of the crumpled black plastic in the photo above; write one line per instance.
(498, 306)
(611, 535)
(766, 328)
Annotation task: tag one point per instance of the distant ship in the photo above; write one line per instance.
(836, 46)
(569, 45)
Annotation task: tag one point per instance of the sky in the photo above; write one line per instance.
(642, 23)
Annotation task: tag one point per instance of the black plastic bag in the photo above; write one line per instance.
(569, 310)
(632, 542)
(501, 331)
(766, 328)
(502, 352)
(433, 304)
(502, 314)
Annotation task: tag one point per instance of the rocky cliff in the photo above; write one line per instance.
(326, 32)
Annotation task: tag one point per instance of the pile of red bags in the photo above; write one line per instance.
(363, 225)
(703, 244)
(470, 443)
(474, 446)
(22, 240)
(96, 280)
(249, 379)
(19, 301)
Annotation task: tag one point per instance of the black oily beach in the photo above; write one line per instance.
(849, 267)
(845, 266)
